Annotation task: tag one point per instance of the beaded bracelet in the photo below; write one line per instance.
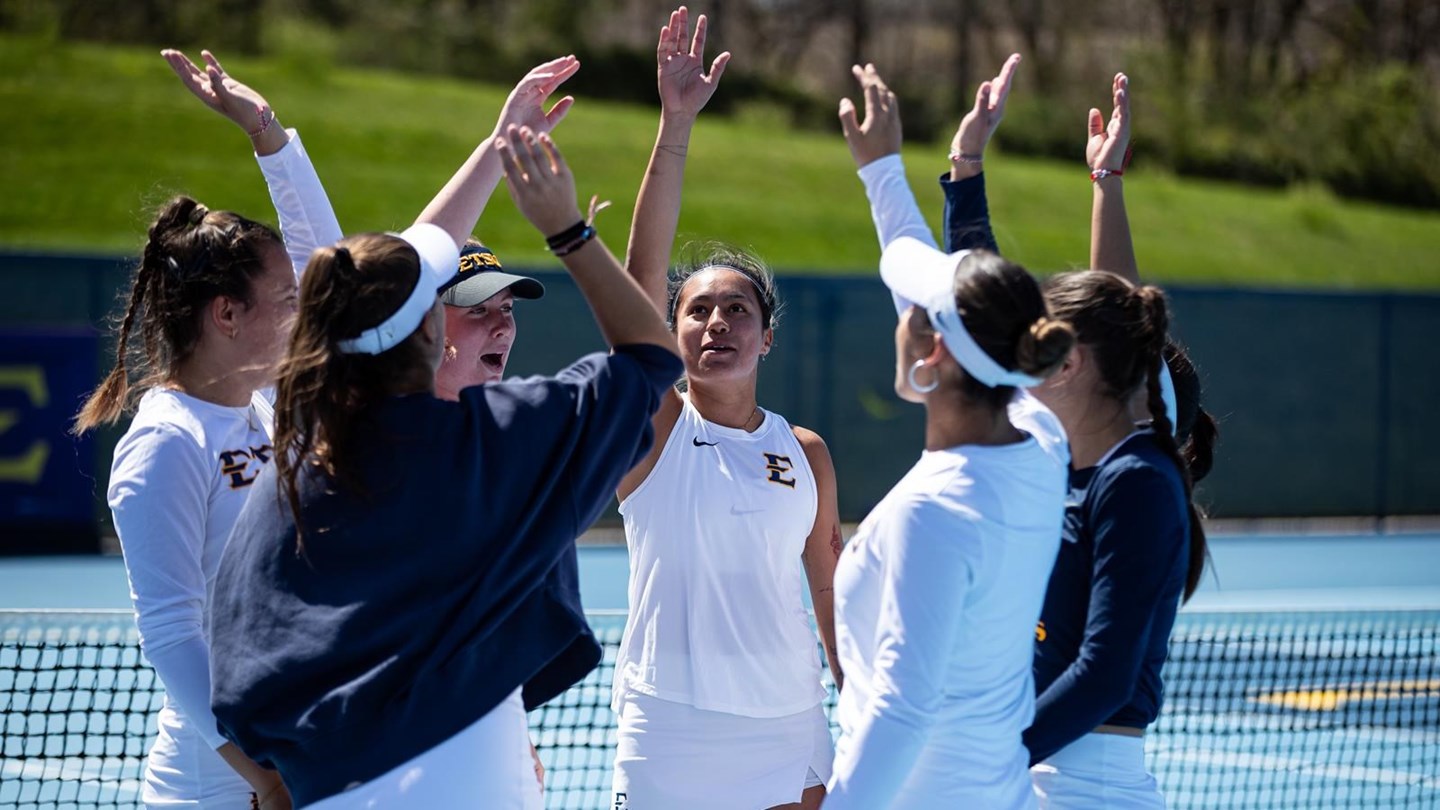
(960, 157)
(267, 117)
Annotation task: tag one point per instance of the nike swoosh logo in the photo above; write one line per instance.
(699, 443)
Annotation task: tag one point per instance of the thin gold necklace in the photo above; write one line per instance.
(746, 427)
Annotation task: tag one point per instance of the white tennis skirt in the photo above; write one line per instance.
(673, 755)
(487, 764)
(1097, 770)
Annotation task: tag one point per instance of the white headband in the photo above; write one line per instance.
(439, 261)
(918, 273)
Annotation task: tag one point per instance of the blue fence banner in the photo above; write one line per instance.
(46, 475)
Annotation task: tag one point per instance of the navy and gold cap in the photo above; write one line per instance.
(481, 276)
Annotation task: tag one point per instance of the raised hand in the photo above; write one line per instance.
(526, 105)
(213, 86)
(540, 183)
(980, 123)
(680, 66)
(1107, 144)
(879, 134)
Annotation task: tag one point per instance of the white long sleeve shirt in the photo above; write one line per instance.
(936, 600)
(181, 473)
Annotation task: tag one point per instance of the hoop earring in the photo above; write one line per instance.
(917, 387)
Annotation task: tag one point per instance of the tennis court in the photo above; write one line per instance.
(1306, 674)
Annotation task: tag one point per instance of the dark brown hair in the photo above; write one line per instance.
(1126, 329)
(321, 393)
(1195, 429)
(697, 258)
(1004, 310)
(192, 255)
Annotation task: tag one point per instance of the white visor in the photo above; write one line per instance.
(439, 261)
(919, 274)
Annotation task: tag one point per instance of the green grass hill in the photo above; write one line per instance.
(96, 136)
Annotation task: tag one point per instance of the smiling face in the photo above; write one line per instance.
(720, 327)
(479, 339)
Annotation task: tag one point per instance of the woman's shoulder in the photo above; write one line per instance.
(1140, 467)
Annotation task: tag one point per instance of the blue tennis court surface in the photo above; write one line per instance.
(1306, 674)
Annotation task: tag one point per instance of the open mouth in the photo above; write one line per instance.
(715, 348)
(493, 361)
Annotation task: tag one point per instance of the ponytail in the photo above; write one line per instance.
(1156, 325)
(191, 255)
(321, 393)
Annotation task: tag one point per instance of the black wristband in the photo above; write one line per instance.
(566, 236)
(575, 244)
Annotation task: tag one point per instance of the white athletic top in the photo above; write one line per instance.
(181, 473)
(179, 477)
(717, 615)
(936, 600)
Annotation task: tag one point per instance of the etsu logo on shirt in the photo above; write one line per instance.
(240, 468)
(777, 467)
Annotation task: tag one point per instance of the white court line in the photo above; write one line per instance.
(1270, 762)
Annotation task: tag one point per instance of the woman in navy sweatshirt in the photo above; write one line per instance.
(403, 585)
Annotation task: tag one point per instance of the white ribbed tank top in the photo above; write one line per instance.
(717, 618)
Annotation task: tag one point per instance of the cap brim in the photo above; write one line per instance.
(480, 287)
(917, 272)
(439, 256)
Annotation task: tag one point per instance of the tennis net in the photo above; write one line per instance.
(1263, 710)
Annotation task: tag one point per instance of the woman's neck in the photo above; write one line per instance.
(731, 406)
(1107, 424)
(229, 387)
(952, 420)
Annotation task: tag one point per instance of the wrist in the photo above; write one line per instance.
(677, 124)
(564, 242)
(1106, 176)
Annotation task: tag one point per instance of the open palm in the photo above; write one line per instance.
(217, 90)
(1108, 141)
(526, 105)
(680, 65)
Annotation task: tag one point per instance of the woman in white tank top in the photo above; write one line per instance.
(717, 684)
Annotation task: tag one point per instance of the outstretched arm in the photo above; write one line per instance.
(544, 190)
(1110, 245)
(307, 220)
(684, 90)
(967, 211)
(460, 203)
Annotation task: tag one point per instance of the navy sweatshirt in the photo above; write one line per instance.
(432, 591)
(1116, 586)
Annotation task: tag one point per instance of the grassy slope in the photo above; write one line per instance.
(93, 136)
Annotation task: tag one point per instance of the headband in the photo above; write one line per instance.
(439, 259)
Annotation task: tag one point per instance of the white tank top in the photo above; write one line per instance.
(717, 616)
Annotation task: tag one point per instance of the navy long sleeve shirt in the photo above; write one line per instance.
(441, 584)
(967, 214)
(1112, 599)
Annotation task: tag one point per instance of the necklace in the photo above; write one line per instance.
(753, 417)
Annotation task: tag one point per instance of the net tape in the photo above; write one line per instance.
(1262, 710)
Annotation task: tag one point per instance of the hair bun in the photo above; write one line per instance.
(1044, 346)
